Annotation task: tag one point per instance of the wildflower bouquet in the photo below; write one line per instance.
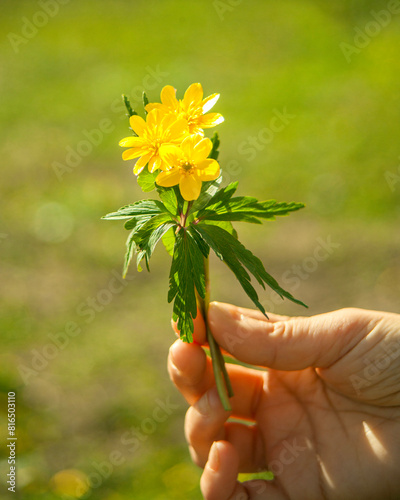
(194, 213)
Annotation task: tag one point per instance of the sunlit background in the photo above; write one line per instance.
(310, 95)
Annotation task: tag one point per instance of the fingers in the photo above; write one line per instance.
(206, 422)
(191, 371)
(289, 344)
(199, 334)
(218, 481)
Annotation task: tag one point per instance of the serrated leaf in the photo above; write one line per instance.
(168, 197)
(247, 209)
(227, 225)
(149, 234)
(215, 142)
(186, 276)
(208, 190)
(129, 109)
(137, 209)
(168, 240)
(240, 260)
(221, 196)
(147, 180)
(130, 252)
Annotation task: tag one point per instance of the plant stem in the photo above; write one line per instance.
(221, 375)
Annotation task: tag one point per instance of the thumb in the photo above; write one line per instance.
(289, 343)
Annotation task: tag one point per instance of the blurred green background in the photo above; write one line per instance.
(86, 355)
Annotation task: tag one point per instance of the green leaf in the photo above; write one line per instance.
(150, 233)
(208, 190)
(187, 275)
(147, 180)
(130, 111)
(221, 196)
(224, 225)
(168, 197)
(130, 251)
(168, 240)
(215, 142)
(142, 207)
(247, 209)
(240, 260)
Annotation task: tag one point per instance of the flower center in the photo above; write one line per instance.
(186, 165)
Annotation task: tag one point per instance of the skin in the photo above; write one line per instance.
(324, 416)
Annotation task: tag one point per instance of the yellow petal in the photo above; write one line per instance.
(208, 170)
(210, 120)
(169, 178)
(129, 154)
(155, 163)
(188, 145)
(153, 118)
(190, 187)
(137, 124)
(201, 150)
(131, 142)
(168, 98)
(194, 94)
(170, 154)
(177, 131)
(209, 102)
(141, 163)
(153, 105)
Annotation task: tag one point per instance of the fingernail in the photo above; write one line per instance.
(208, 403)
(213, 457)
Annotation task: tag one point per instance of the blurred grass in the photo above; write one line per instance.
(57, 254)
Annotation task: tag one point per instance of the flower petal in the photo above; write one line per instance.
(141, 163)
(172, 155)
(131, 142)
(210, 120)
(208, 170)
(138, 125)
(190, 187)
(154, 105)
(194, 94)
(169, 177)
(129, 154)
(168, 97)
(155, 163)
(188, 145)
(209, 102)
(177, 130)
(153, 118)
(201, 150)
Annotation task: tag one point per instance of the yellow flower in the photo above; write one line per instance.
(192, 107)
(188, 166)
(158, 129)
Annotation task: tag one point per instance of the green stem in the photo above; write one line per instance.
(220, 373)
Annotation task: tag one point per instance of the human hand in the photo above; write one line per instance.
(324, 417)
